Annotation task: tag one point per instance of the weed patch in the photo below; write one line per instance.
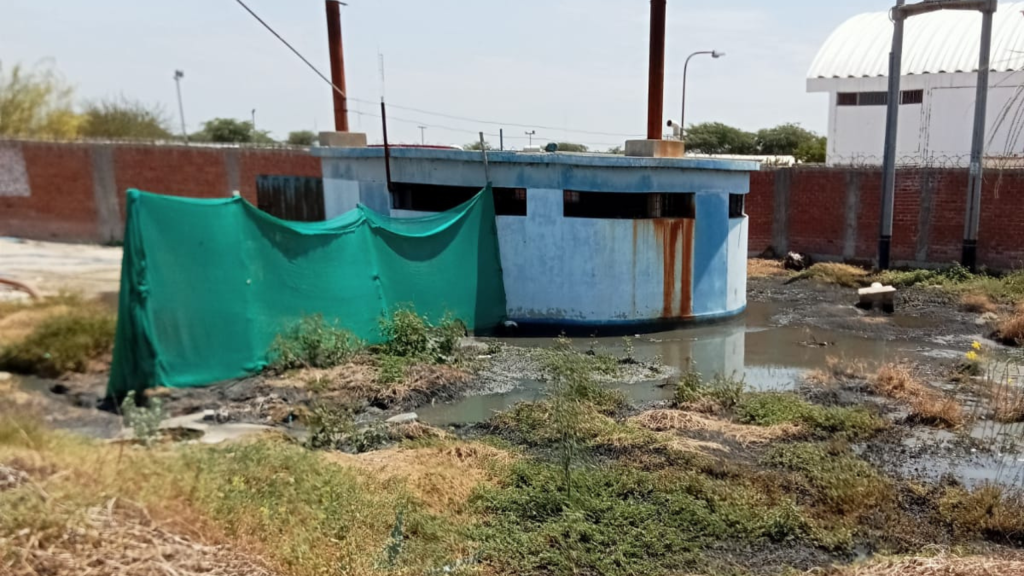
(621, 521)
(407, 334)
(927, 406)
(1011, 330)
(776, 408)
(989, 512)
(840, 483)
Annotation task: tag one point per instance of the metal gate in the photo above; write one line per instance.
(298, 198)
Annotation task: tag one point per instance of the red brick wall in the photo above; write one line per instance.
(817, 217)
(62, 203)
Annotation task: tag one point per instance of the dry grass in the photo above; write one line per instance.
(358, 379)
(120, 538)
(837, 371)
(442, 478)
(765, 268)
(941, 565)
(679, 421)
(1011, 330)
(836, 274)
(977, 302)
(927, 406)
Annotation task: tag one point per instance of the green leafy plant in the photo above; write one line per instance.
(144, 421)
(312, 342)
(407, 334)
(391, 369)
(329, 426)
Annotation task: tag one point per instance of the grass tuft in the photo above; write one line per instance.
(835, 273)
(777, 408)
(70, 341)
(312, 342)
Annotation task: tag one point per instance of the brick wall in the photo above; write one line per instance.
(834, 213)
(76, 191)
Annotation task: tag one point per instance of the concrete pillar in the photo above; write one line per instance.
(232, 163)
(852, 211)
(780, 220)
(109, 226)
(924, 216)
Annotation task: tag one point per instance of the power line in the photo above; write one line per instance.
(497, 123)
(290, 47)
(428, 112)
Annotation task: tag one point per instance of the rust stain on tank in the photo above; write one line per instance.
(675, 237)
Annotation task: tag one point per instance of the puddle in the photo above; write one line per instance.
(766, 357)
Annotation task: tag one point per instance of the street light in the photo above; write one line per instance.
(682, 117)
(178, 75)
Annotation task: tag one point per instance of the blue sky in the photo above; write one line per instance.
(562, 64)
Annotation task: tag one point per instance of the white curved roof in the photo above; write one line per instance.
(945, 41)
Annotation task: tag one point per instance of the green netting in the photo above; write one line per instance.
(206, 285)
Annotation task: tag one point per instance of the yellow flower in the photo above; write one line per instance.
(972, 356)
(976, 345)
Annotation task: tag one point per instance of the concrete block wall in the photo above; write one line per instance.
(75, 191)
(834, 213)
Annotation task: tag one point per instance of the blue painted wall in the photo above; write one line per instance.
(580, 270)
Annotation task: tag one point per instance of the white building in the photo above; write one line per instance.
(940, 63)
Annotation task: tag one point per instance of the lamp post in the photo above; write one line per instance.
(682, 116)
(178, 75)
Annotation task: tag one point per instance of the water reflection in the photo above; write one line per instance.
(766, 357)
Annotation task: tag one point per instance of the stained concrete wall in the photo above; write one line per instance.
(584, 271)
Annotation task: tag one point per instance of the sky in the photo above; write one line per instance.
(572, 70)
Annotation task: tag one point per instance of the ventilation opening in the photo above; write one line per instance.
(626, 206)
(435, 198)
(736, 205)
(878, 98)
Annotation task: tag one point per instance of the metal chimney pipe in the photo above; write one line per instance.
(656, 74)
(337, 65)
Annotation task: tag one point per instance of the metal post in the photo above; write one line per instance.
(973, 217)
(178, 75)
(686, 67)
(530, 134)
(656, 72)
(483, 150)
(501, 138)
(337, 65)
(423, 136)
(387, 147)
(254, 122)
(891, 128)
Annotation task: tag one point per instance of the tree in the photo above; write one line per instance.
(813, 151)
(229, 130)
(124, 118)
(718, 138)
(570, 147)
(617, 150)
(36, 104)
(477, 146)
(302, 138)
(784, 140)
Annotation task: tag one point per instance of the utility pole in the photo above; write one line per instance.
(973, 218)
(337, 65)
(530, 134)
(891, 128)
(254, 123)
(423, 138)
(178, 75)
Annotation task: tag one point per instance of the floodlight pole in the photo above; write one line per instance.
(972, 220)
(891, 128)
(899, 15)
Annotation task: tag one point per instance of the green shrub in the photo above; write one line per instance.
(329, 426)
(312, 342)
(63, 343)
(407, 334)
(726, 391)
(143, 420)
(391, 369)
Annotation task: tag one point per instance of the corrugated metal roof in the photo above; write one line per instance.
(934, 43)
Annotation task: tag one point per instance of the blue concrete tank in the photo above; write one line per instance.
(586, 239)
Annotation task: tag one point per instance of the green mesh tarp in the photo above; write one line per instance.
(206, 285)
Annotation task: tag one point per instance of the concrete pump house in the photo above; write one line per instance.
(586, 239)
